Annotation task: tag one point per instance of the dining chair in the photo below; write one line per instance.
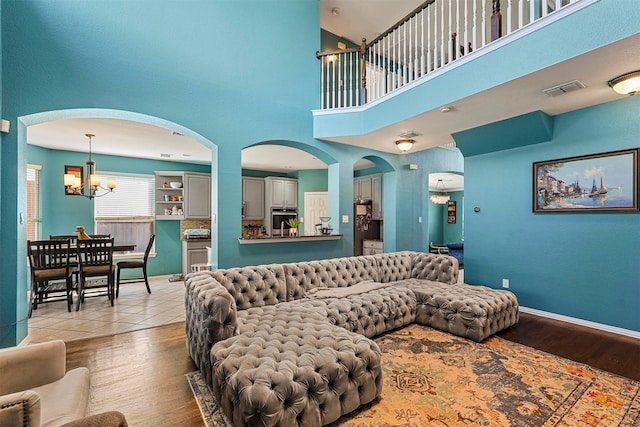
(95, 258)
(50, 262)
(135, 263)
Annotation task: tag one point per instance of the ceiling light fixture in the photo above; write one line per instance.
(626, 84)
(404, 145)
(75, 185)
(439, 197)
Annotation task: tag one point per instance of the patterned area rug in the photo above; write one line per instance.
(432, 378)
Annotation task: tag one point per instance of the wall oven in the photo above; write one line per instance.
(279, 219)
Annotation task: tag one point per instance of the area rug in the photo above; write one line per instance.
(432, 378)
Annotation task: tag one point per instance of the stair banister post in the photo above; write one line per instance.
(496, 21)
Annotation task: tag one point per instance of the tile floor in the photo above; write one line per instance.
(134, 309)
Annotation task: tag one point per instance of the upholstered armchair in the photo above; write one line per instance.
(35, 390)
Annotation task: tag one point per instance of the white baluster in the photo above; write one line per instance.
(509, 24)
(532, 11)
(484, 26)
(422, 45)
(474, 26)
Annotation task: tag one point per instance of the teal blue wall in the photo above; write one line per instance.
(120, 59)
(61, 214)
(452, 233)
(582, 265)
(440, 231)
(436, 213)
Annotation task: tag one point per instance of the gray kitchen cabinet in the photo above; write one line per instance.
(252, 198)
(197, 199)
(281, 193)
(369, 188)
(190, 200)
(194, 252)
(362, 189)
(376, 197)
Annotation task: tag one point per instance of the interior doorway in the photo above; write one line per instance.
(316, 205)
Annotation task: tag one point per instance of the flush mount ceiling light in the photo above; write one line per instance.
(626, 84)
(439, 197)
(404, 145)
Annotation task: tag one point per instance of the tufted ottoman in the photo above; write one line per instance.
(468, 311)
(292, 370)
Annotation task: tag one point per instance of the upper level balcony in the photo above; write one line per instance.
(490, 59)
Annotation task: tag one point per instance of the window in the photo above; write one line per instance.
(33, 202)
(127, 214)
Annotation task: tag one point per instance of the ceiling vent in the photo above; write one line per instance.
(409, 135)
(564, 88)
(165, 155)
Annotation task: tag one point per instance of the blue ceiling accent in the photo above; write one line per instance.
(527, 129)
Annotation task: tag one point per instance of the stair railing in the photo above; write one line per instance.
(434, 35)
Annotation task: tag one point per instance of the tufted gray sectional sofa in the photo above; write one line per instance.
(289, 344)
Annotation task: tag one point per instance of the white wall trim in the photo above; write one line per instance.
(587, 323)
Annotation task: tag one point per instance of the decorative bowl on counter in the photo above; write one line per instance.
(175, 184)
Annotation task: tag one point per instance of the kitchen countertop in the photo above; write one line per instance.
(314, 238)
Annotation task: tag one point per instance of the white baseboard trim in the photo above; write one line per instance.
(587, 323)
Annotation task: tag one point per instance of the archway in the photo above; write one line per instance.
(446, 209)
(293, 166)
(125, 117)
(369, 176)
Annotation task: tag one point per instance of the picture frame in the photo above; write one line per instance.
(451, 212)
(603, 182)
(76, 171)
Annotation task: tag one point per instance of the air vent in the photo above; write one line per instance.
(165, 155)
(409, 135)
(564, 88)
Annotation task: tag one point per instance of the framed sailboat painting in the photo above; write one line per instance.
(604, 182)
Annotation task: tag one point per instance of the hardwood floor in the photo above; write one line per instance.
(142, 373)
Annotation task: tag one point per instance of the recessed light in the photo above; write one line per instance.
(446, 109)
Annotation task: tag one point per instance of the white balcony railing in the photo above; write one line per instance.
(434, 35)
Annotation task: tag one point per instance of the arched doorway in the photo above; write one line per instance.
(369, 204)
(42, 129)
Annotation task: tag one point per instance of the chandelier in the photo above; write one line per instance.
(76, 185)
(439, 197)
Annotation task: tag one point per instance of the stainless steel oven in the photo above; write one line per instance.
(279, 219)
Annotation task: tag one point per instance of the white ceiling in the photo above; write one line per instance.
(357, 19)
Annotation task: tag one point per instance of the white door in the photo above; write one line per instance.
(316, 204)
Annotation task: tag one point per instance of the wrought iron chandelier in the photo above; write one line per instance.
(91, 181)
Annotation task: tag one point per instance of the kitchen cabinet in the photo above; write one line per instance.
(194, 252)
(369, 188)
(362, 188)
(376, 196)
(197, 198)
(189, 198)
(252, 198)
(281, 193)
(372, 247)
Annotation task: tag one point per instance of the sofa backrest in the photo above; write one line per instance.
(254, 286)
(439, 268)
(330, 273)
(394, 266)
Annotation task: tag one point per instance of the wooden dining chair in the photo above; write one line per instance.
(50, 262)
(95, 258)
(135, 263)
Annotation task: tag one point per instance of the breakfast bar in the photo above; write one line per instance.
(312, 238)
